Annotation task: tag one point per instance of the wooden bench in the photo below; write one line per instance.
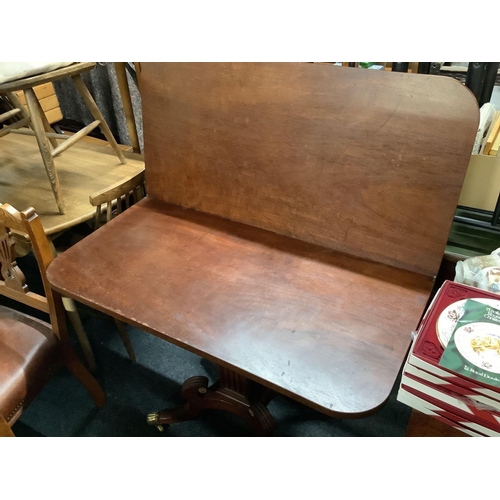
(296, 217)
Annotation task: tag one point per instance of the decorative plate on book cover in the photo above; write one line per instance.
(450, 315)
(479, 343)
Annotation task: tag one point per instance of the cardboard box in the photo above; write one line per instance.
(481, 185)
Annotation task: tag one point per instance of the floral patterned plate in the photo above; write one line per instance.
(449, 317)
(479, 343)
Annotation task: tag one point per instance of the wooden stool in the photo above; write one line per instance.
(36, 120)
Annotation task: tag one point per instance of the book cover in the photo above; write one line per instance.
(473, 350)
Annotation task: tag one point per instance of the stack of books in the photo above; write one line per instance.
(453, 369)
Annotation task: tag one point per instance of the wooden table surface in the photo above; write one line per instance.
(348, 180)
(88, 166)
(324, 328)
(369, 163)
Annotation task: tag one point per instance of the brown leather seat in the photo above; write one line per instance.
(29, 355)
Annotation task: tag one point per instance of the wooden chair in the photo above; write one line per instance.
(118, 197)
(22, 247)
(36, 120)
(31, 350)
(109, 203)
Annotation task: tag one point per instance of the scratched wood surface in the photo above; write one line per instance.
(322, 327)
(323, 199)
(370, 163)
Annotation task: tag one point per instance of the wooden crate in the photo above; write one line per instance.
(48, 100)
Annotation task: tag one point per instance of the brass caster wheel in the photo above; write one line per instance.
(152, 418)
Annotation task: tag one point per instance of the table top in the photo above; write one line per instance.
(369, 163)
(324, 328)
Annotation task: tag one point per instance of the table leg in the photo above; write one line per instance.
(232, 392)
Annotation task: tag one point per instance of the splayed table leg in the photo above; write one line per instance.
(232, 392)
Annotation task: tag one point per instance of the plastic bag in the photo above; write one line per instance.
(481, 272)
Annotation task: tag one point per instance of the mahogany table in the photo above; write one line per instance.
(312, 324)
(296, 216)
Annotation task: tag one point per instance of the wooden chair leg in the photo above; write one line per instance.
(46, 125)
(43, 145)
(5, 430)
(68, 354)
(121, 75)
(122, 330)
(96, 113)
(76, 367)
(12, 96)
(74, 317)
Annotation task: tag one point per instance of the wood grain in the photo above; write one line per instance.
(323, 196)
(87, 167)
(48, 101)
(41, 91)
(117, 190)
(54, 115)
(45, 148)
(46, 125)
(30, 299)
(328, 329)
(369, 163)
(116, 195)
(75, 138)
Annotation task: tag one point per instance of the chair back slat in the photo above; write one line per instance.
(117, 195)
(13, 277)
(13, 284)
